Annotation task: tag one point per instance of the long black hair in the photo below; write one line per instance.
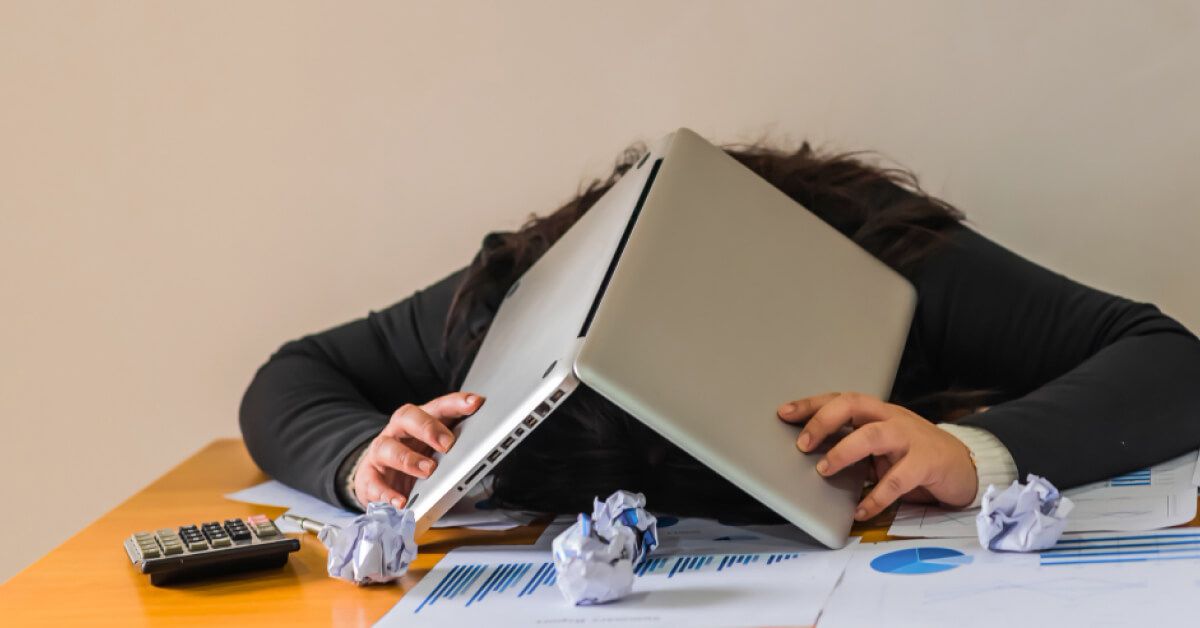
(589, 447)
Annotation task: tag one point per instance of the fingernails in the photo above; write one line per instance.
(471, 399)
(804, 442)
(444, 441)
(823, 468)
(397, 502)
(787, 408)
(860, 514)
(425, 465)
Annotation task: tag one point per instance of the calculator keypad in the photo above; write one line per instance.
(237, 530)
(192, 538)
(211, 548)
(215, 534)
(146, 545)
(212, 535)
(171, 543)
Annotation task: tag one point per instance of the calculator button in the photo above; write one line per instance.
(197, 546)
(143, 536)
(150, 552)
(222, 541)
(237, 530)
(172, 549)
(262, 526)
(215, 533)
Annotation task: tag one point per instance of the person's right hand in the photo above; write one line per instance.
(400, 453)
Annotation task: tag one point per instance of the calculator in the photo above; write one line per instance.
(190, 552)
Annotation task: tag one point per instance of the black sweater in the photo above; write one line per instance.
(1089, 385)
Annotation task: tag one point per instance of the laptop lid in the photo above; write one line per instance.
(525, 365)
(728, 299)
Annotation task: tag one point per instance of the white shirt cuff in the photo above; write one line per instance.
(993, 462)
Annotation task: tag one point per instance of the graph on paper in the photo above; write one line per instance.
(1141, 477)
(1146, 499)
(1127, 548)
(1104, 579)
(474, 584)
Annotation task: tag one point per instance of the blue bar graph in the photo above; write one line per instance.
(1141, 477)
(649, 566)
(475, 584)
(453, 583)
(544, 576)
(1127, 548)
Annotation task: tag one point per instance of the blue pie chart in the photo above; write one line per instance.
(919, 561)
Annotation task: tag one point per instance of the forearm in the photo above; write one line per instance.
(1133, 404)
(300, 421)
(345, 477)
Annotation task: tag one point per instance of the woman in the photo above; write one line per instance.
(1008, 369)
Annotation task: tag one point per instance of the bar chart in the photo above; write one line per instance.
(476, 584)
(1123, 548)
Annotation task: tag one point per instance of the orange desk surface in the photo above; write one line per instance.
(89, 580)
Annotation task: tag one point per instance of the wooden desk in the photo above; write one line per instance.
(88, 579)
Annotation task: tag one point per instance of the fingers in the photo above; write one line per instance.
(453, 406)
(802, 409)
(390, 453)
(874, 439)
(371, 486)
(899, 480)
(426, 423)
(847, 408)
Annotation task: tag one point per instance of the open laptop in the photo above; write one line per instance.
(697, 297)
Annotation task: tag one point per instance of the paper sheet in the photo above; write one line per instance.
(469, 512)
(1161, 496)
(1139, 579)
(500, 587)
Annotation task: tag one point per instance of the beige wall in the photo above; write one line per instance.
(185, 185)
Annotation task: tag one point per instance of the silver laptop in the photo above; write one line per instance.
(697, 297)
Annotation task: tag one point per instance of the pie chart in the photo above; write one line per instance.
(919, 561)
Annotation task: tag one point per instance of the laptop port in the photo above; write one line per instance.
(475, 474)
(530, 421)
(494, 455)
(507, 442)
(520, 431)
(543, 409)
(558, 394)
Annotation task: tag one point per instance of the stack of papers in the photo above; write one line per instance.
(774, 584)
(472, 511)
(705, 572)
(1124, 579)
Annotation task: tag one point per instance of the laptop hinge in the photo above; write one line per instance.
(612, 265)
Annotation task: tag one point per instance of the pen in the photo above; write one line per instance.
(309, 525)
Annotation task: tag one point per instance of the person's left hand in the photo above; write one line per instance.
(913, 458)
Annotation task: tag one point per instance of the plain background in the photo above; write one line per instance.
(186, 185)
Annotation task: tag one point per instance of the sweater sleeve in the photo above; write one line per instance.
(1094, 385)
(318, 399)
(993, 464)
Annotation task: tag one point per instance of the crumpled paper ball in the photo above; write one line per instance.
(595, 557)
(375, 548)
(1022, 518)
(625, 509)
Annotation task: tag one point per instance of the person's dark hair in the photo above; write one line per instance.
(589, 447)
